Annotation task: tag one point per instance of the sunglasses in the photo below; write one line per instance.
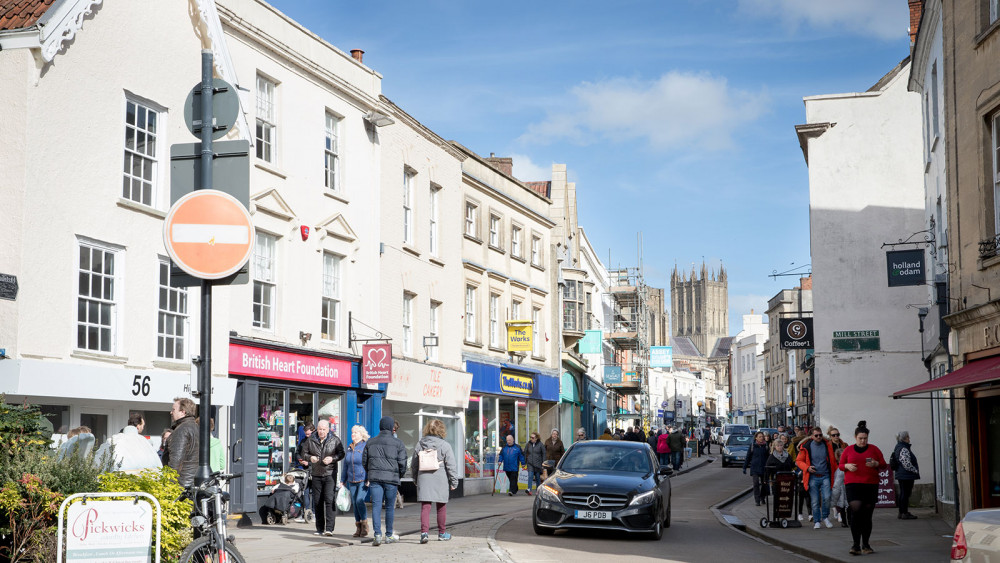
(817, 435)
(835, 435)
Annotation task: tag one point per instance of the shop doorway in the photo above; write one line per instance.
(987, 407)
(98, 420)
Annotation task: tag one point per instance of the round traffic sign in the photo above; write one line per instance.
(208, 234)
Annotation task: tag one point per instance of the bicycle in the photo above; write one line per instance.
(212, 544)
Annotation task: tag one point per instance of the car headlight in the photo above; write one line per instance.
(545, 492)
(726, 451)
(643, 498)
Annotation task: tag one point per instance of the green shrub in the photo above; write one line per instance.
(175, 533)
(22, 427)
(29, 510)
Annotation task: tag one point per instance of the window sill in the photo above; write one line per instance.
(88, 355)
(336, 196)
(518, 258)
(141, 208)
(176, 365)
(436, 261)
(987, 263)
(497, 249)
(496, 349)
(538, 358)
(979, 39)
(473, 239)
(269, 168)
(473, 344)
(538, 267)
(411, 250)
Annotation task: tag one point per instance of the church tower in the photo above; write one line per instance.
(700, 306)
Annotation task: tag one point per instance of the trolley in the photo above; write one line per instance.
(781, 501)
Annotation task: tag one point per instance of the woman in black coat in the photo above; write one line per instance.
(756, 460)
(904, 464)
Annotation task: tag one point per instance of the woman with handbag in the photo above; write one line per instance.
(554, 450)
(436, 475)
(354, 478)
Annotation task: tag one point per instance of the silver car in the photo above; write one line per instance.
(975, 537)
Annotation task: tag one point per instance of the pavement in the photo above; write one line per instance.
(472, 521)
(928, 538)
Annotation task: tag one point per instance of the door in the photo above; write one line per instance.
(243, 448)
(99, 422)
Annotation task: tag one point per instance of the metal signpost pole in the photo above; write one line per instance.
(205, 365)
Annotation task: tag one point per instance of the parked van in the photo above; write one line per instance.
(735, 430)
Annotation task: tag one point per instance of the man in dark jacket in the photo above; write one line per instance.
(323, 450)
(181, 452)
(676, 442)
(384, 459)
(534, 456)
(756, 460)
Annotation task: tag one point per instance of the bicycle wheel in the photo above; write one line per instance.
(201, 551)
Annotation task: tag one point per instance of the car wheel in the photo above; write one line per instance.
(540, 531)
(657, 533)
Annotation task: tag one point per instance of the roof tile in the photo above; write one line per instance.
(19, 14)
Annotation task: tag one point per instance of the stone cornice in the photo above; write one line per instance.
(967, 317)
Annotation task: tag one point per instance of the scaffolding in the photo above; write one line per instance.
(629, 336)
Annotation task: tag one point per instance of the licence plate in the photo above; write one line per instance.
(593, 515)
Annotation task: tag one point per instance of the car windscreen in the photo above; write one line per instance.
(738, 430)
(584, 459)
(739, 440)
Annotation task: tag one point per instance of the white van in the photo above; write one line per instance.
(735, 429)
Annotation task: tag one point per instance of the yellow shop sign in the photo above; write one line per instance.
(513, 384)
(519, 336)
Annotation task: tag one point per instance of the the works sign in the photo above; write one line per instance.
(794, 334)
(905, 267)
(514, 384)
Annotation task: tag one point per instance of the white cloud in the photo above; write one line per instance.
(527, 171)
(883, 19)
(677, 110)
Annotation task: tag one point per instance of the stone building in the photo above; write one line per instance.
(700, 306)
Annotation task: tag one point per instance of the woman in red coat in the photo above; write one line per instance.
(861, 464)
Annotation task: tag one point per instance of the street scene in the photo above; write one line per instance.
(674, 281)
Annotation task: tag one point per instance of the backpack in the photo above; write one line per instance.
(428, 460)
(894, 462)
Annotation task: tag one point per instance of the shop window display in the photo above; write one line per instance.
(474, 439)
(300, 404)
(329, 409)
(270, 430)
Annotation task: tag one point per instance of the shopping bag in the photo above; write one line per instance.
(428, 460)
(343, 499)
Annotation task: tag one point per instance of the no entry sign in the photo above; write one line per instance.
(208, 234)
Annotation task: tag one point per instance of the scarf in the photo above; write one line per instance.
(780, 455)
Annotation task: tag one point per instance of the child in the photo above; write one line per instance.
(838, 497)
(280, 499)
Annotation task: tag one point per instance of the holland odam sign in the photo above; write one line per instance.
(905, 267)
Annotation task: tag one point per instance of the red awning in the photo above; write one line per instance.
(970, 374)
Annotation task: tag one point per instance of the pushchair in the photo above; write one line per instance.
(287, 501)
(780, 502)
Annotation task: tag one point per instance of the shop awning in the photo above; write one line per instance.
(979, 371)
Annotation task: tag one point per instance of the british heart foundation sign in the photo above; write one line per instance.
(376, 363)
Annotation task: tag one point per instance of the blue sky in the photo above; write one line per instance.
(674, 117)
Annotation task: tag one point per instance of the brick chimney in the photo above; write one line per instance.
(806, 282)
(503, 164)
(358, 54)
(916, 10)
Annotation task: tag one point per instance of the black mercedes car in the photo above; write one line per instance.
(605, 484)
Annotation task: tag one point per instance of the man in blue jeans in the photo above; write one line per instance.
(816, 460)
(384, 460)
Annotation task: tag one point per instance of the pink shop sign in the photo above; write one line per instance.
(376, 363)
(260, 362)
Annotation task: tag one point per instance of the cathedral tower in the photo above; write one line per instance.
(700, 306)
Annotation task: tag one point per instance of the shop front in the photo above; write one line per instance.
(421, 392)
(102, 397)
(570, 407)
(596, 408)
(279, 390)
(505, 399)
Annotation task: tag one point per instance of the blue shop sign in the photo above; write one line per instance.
(597, 395)
(513, 381)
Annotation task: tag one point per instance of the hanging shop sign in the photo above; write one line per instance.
(519, 336)
(591, 342)
(906, 267)
(289, 366)
(376, 363)
(661, 356)
(796, 333)
(612, 374)
(856, 341)
(419, 383)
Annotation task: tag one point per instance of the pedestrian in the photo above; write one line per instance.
(619, 434)
(79, 442)
(384, 460)
(629, 435)
(904, 464)
(778, 460)
(704, 442)
(534, 457)
(651, 440)
(756, 460)
(861, 463)
(816, 460)
(606, 435)
(163, 444)
(181, 453)
(307, 431)
(838, 497)
(581, 434)
(324, 450)
(676, 442)
(640, 434)
(354, 478)
(132, 452)
(834, 436)
(434, 485)
(511, 460)
(663, 447)
(399, 497)
(793, 447)
(554, 449)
